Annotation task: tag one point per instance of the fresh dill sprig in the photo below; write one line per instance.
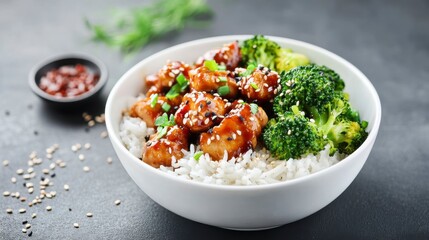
(134, 28)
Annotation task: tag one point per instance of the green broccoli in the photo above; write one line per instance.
(287, 60)
(308, 86)
(259, 50)
(318, 92)
(292, 135)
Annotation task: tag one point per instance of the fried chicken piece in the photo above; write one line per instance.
(147, 113)
(199, 111)
(203, 79)
(159, 152)
(261, 86)
(236, 134)
(229, 55)
(166, 77)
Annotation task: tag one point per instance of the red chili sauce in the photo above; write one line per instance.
(68, 81)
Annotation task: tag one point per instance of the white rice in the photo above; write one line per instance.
(252, 168)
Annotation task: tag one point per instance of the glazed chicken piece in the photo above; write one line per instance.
(199, 111)
(261, 86)
(159, 152)
(166, 77)
(236, 134)
(229, 55)
(147, 113)
(203, 79)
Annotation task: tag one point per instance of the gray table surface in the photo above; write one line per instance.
(387, 40)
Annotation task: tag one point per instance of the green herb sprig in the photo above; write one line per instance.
(134, 28)
(163, 122)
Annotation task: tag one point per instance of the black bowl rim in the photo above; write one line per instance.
(80, 56)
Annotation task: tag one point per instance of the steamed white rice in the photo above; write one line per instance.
(252, 168)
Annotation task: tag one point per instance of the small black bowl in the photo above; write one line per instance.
(92, 64)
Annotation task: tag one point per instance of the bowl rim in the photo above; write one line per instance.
(371, 136)
(78, 56)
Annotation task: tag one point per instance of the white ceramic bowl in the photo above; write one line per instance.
(244, 207)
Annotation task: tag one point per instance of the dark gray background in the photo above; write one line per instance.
(387, 40)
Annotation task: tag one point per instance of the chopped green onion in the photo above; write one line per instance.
(179, 87)
(254, 108)
(211, 65)
(222, 79)
(221, 67)
(181, 79)
(161, 132)
(164, 121)
(153, 100)
(197, 155)
(224, 90)
(249, 70)
(364, 124)
(254, 85)
(166, 107)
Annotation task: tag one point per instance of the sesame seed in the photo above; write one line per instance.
(89, 214)
(87, 146)
(9, 211)
(22, 210)
(76, 225)
(74, 148)
(209, 141)
(109, 160)
(81, 157)
(6, 193)
(27, 226)
(206, 121)
(20, 171)
(66, 187)
(52, 166)
(33, 215)
(48, 208)
(86, 169)
(26, 176)
(30, 190)
(30, 170)
(22, 199)
(29, 185)
(62, 164)
(24, 230)
(217, 137)
(234, 136)
(239, 132)
(289, 132)
(5, 163)
(103, 134)
(45, 171)
(91, 123)
(13, 179)
(117, 202)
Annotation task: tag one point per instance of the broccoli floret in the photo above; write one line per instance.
(288, 60)
(292, 135)
(318, 91)
(259, 50)
(308, 86)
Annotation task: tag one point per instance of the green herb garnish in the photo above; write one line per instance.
(221, 67)
(197, 155)
(166, 107)
(254, 108)
(163, 122)
(224, 90)
(153, 100)
(134, 28)
(222, 79)
(211, 65)
(254, 85)
(249, 70)
(179, 87)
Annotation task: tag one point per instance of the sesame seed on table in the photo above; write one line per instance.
(44, 152)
